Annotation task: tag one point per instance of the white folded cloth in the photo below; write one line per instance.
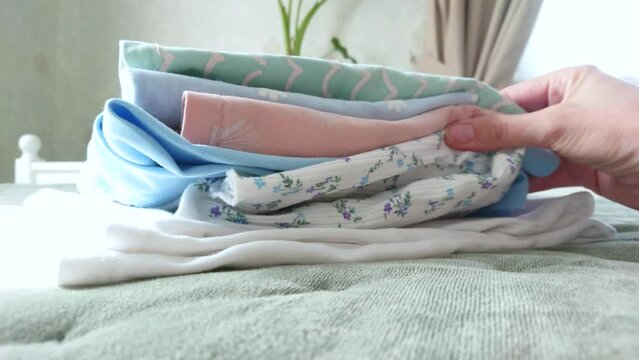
(102, 242)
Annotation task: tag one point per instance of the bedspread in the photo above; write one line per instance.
(573, 302)
(568, 302)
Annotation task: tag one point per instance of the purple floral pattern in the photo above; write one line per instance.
(348, 213)
(398, 204)
(228, 213)
(486, 181)
(300, 198)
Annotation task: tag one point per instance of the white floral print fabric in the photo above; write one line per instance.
(394, 186)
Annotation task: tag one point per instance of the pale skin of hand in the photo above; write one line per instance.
(590, 119)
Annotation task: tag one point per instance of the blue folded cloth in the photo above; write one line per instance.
(137, 160)
(540, 162)
(160, 94)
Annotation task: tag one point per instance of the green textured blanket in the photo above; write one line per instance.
(577, 302)
(574, 302)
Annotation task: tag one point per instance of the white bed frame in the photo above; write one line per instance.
(31, 169)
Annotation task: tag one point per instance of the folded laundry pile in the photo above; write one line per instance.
(257, 115)
(248, 144)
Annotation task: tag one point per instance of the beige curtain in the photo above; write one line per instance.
(477, 38)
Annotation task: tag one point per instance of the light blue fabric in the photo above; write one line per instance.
(160, 94)
(540, 162)
(137, 160)
(512, 204)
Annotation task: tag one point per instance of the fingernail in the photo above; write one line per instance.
(460, 134)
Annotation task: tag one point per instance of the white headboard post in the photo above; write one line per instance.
(29, 145)
(30, 168)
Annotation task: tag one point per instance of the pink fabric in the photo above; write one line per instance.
(280, 129)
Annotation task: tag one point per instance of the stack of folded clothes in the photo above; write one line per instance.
(262, 133)
(251, 146)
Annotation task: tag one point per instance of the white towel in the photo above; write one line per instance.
(109, 243)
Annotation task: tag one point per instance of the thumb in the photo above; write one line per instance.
(496, 131)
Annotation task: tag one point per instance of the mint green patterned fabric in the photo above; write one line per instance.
(305, 75)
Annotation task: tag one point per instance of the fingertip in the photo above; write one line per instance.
(507, 91)
(469, 134)
(459, 134)
(461, 129)
(495, 131)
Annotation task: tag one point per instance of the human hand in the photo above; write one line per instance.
(589, 118)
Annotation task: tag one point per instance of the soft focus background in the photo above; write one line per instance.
(59, 57)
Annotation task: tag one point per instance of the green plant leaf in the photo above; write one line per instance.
(337, 45)
(286, 24)
(299, 34)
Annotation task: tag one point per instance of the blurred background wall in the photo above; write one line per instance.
(59, 57)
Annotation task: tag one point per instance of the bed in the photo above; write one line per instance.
(569, 302)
